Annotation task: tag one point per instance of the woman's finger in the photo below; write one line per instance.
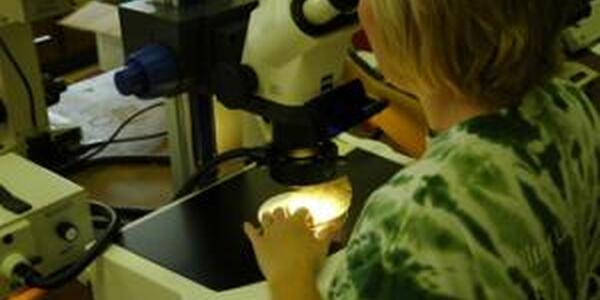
(267, 219)
(252, 233)
(310, 221)
(279, 214)
(324, 239)
(328, 233)
(303, 216)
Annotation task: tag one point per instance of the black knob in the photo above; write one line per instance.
(67, 231)
(54, 87)
(3, 113)
(234, 84)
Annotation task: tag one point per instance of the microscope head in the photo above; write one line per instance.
(301, 151)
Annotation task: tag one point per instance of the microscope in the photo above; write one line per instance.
(279, 59)
(282, 60)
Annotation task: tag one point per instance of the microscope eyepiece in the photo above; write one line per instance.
(345, 6)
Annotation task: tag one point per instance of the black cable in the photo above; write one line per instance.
(127, 214)
(100, 223)
(34, 279)
(205, 171)
(87, 147)
(119, 129)
(163, 160)
(24, 80)
(85, 158)
(132, 213)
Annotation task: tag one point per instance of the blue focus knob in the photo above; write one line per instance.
(151, 72)
(131, 80)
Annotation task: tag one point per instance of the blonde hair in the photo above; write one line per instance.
(491, 50)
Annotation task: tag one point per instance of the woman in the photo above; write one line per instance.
(505, 202)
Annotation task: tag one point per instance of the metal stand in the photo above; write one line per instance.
(192, 138)
(176, 46)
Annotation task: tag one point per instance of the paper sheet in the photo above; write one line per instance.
(95, 17)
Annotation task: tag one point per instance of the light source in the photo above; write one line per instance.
(327, 203)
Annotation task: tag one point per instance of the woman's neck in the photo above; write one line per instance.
(444, 110)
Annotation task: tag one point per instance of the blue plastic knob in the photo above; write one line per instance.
(150, 73)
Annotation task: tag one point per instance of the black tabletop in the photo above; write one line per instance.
(202, 238)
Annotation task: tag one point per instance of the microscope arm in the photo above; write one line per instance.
(290, 67)
(292, 75)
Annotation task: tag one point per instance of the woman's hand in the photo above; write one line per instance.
(289, 253)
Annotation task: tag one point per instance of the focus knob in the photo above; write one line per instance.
(67, 231)
(150, 73)
(234, 84)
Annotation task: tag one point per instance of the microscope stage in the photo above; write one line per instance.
(202, 238)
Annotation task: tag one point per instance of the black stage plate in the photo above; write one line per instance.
(202, 238)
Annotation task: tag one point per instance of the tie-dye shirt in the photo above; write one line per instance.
(503, 206)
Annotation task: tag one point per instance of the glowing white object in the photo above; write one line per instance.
(325, 203)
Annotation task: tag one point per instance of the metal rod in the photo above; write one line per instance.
(203, 127)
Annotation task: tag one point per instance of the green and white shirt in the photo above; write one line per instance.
(503, 206)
